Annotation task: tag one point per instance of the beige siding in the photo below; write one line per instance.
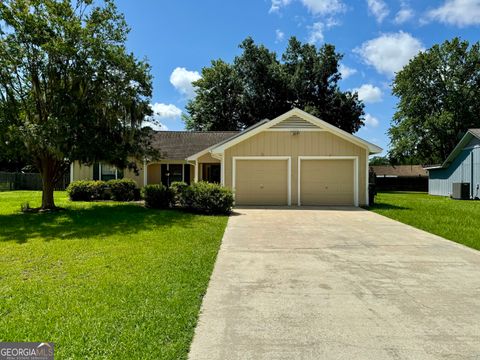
(82, 172)
(261, 182)
(154, 174)
(327, 182)
(303, 143)
(207, 158)
(129, 174)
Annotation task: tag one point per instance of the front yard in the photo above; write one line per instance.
(104, 280)
(456, 220)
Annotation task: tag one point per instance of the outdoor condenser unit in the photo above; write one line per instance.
(461, 191)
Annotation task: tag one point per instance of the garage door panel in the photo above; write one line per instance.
(326, 182)
(261, 182)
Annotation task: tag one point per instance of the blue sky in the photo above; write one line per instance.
(377, 37)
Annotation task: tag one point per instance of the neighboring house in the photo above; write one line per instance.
(461, 166)
(294, 159)
(400, 177)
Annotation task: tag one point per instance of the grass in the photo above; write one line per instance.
(456, 220)
(104, 280)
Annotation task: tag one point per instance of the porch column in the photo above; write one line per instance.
(196, 170)
(145, 172)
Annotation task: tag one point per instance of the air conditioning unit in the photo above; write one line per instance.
(461, 191)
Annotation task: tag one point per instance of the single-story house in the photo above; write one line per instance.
(294, 159)
(400, 177)
(461, 166)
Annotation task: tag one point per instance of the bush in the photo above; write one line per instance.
(88, 190)
(207, 198)
(157, 196)
(123, 190)
(179, 191)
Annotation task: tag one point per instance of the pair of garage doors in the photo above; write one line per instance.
(269, 181)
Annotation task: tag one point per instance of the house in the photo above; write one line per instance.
(461, 166)
(294, 159)
(400, 177)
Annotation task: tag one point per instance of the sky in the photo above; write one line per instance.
(376, 37)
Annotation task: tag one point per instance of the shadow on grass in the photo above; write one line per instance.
(96, 221)
(385, 206)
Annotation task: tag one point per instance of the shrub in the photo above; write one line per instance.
(207, 198)
(157, 196)
(123, 190)
(88, 190)
(179, 191)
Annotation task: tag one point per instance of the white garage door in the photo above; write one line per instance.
(261, 182)
(327, 182)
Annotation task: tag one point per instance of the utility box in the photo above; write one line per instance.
(461, 191)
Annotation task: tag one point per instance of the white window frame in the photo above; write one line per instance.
(279, 158)
(100, 172)
(355, 173)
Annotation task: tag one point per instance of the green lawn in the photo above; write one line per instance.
(456, 220)
(104, 280)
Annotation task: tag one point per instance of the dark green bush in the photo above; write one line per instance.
(123, 190)
(207, 198)
(88, 190)
(157, 196)
(179, 191)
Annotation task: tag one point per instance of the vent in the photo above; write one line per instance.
(294, 122)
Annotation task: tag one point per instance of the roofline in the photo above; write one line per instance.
(433, 167)
(219, 148)
(463, 141)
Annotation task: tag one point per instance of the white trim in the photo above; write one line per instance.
(145, 172)
(355, 173)
(222, 170)
(367, 179)
(71, 172)
(299, 129)
(373, 149)
(196, 171)
(282, 158)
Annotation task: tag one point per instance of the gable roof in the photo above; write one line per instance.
(469, 135)
(399, 170)
(179, 145)
(264, 125)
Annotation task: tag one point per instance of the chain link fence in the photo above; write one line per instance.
(27, 181)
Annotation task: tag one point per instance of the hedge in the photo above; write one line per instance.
(207, 198)
(92, 190)
(157, 196)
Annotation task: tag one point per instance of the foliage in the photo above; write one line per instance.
(104, 279)
(379, 160)
(439, 100)
(208, 198)
(456, 220)
(123, 190)
(179, 190)
(257, 86)
(68, 88)
(88, 190)
(157, 196)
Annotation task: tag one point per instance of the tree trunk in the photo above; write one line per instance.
(48, 187)
(50, 170)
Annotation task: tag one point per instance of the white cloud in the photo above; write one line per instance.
(279, 35)
(346, 71)
(404, 14)
(457, 12)
(316, 7)
(182, 79)
(315, 34)
(369, 93)
(324, 7)
(389, 53)
(371, 121)
(379, 9)
(160, 113)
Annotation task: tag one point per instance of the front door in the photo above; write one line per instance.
(211, 173)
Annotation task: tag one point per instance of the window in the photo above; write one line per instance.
(106, 172)
(175, 172)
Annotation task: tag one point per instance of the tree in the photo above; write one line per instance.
(439, 100)
(257, 86)
(68, 88)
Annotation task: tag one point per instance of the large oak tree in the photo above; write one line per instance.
(69, 90)
(439, 100)
(258, 85)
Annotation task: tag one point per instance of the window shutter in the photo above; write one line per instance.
(96, 175)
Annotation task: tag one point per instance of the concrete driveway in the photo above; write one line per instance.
(338, 284)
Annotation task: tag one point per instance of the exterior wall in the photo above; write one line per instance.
(304, 143)
(154, 175)
(82, 172)
(207, 158)
(465, 168)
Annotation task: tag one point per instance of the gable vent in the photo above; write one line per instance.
(294, 122)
